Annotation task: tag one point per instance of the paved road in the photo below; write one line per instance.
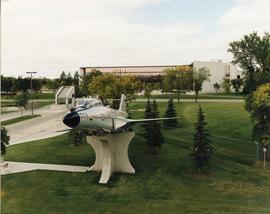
(11, 115)
(199, 100)
(38, 128)
(16, 167)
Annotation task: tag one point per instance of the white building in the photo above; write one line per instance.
(218, 71)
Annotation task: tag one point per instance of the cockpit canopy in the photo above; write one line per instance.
(86, 103)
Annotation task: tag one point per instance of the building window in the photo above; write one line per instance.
(238, 77)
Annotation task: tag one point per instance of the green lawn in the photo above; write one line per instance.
(18, 119)
(37, 96)
(163, 183)
(201, 96)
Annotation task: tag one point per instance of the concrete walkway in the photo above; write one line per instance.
(46, 126)
(15, 114)
(16, 167)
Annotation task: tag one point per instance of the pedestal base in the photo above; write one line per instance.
(111, 154)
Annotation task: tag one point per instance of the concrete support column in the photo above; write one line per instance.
(111, 152)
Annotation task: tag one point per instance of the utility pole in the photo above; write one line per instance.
(264, 156)
(32, 109)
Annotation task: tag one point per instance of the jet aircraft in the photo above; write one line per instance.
(98, 119)
(86, 103)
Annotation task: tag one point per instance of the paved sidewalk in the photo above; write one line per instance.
(12, 115)
(48, 125)
(16, 167)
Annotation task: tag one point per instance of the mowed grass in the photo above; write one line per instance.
(18, 119)
(45, 96)
(200, 96)
(163, 183)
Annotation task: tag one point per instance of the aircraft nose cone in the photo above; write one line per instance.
(72, 119)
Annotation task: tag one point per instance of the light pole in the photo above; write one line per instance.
(257, 143)
(31, 73)
(264, 156)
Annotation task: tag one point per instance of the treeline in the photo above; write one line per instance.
(12, 85)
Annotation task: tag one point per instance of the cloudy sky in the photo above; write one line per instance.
(55, 35)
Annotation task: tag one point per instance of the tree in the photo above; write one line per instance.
(152, 132)
(86, 82)
(202, 148)
(147, 90)
(69, 79)
(53, 84)
(216, 87)
(168, 82)
(157, 138)
(179, 78)
(226, 85)
(111, 86)
(22, 84)
(237, 83)
(22, 101)
(76, 82)
(4, 140)
(7, 84)
(252, 54)
(37, 84)
(147, 115)
(260, 115)
(170, 112)
(76, 136)
(199, 76)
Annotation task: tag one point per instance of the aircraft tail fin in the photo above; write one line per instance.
(123, 104)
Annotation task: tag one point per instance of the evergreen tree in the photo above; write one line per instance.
(76, 136)
(4, 140)
(63, 78)
(202, 148)
(152, 132)
(170, 112)
(147, 125)
(157, 138)
(148, 109)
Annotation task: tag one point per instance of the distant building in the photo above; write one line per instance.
(218, 71)
(129, 70)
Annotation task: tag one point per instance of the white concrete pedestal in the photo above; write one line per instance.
(111, 154)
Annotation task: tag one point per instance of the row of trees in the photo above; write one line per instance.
(227, 84)
(252, 54)
(184, 78)
(201, 150)
(20, 84)
(14, 85)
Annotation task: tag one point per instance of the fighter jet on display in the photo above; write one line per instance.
(86, 103)
(101, 119)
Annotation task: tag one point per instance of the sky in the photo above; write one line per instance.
(63, 35)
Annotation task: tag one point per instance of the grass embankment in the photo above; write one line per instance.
(201, 96)
(36, 96)
(163, 183)
(18, 119)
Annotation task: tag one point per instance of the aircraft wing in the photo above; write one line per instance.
(148, 120)
(123, 123)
